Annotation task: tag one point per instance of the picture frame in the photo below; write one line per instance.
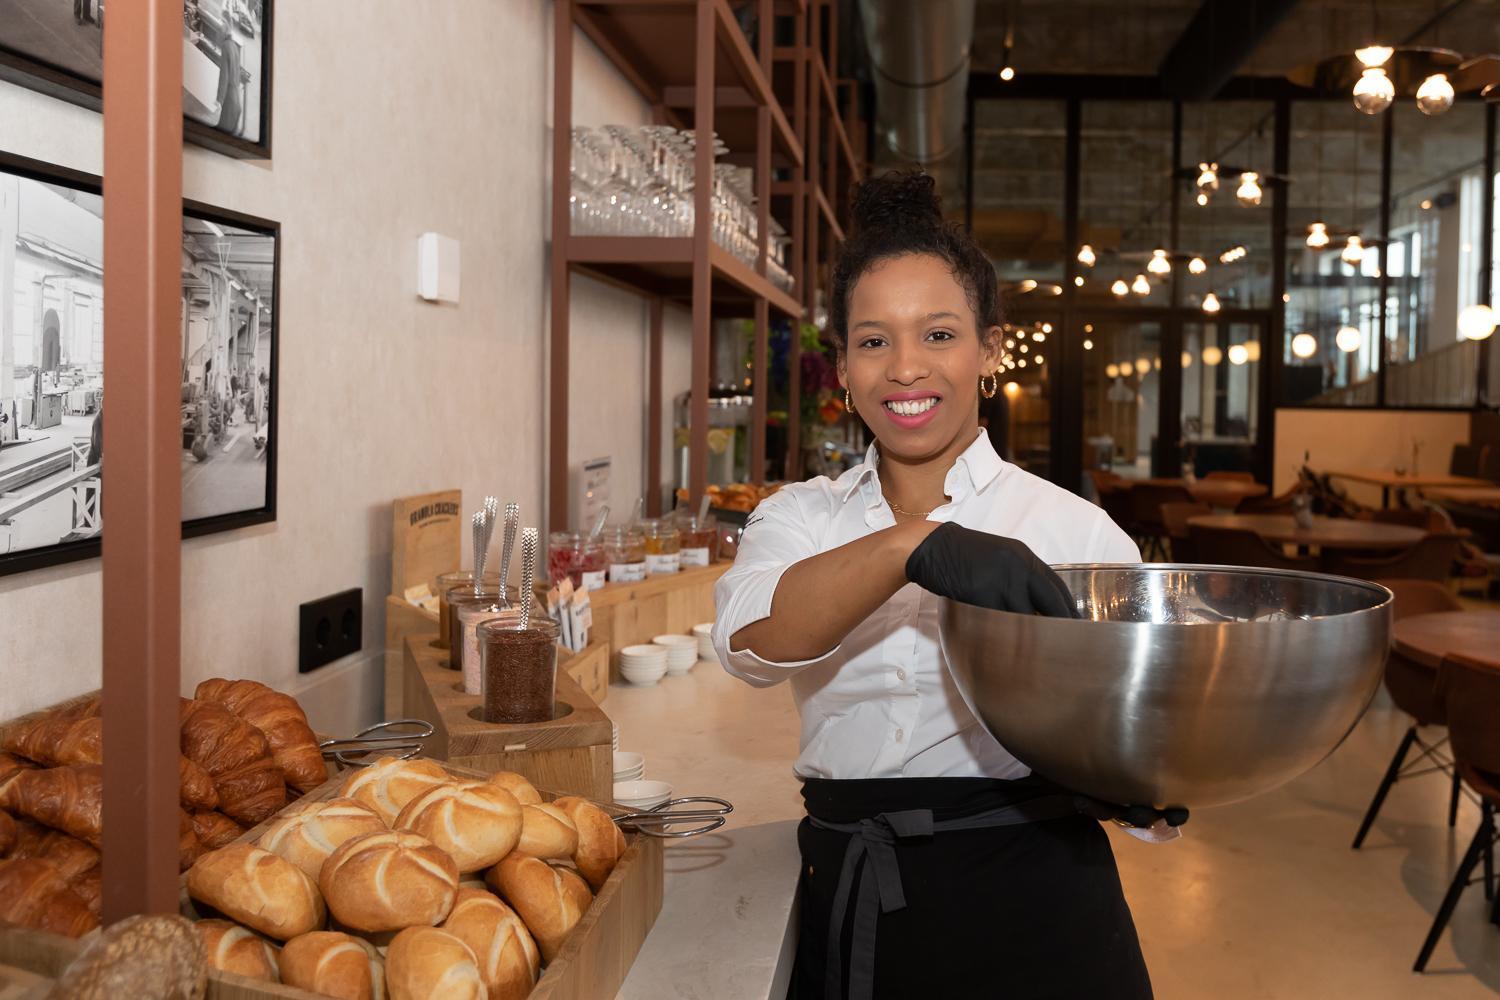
(55, 47)
(50, 513)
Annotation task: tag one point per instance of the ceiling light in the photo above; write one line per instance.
(1187, 359)
(1212, 355)
(1039, 359)
(1252, 350)
(1011, 388)
(1426, 204)
(1304, 345)
(1022, 363)
(1009, 344)
(1028, 285)
(1159, 262)
(1078, 280)
(1120, 288)
(1142, 365)
(1238, 355)
(1140, 285)
(1348, 338)
(1039, 336)
(1086, 255)
(1353, 252)
(1088, 345)
(1317, 235)
(1208, 177)
(1249, 193)
(1008, 74)
(1088, 328)
(1476, 322)
(1202, 198)
(1374, 55)
(1210, 305)
(1024, 348)
(1126, 368)
(1111, 371)
(1197, 266)
(1046, 328)
(1435, 95)
(1374, 92)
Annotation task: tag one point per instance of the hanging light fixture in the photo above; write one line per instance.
(1078, 280)
(1197, 266)
(1238, 354)
(1348, 339)
(1374, 91)
(1140, 285)
(1210, 303)
(1008, 73)
(1159, 262)
(1120, 288)
(1476, 322)
(1208, 177)
(1304, 345)
(1252, 350)
(1202, 198)
(1212, 355)
(1126, 369)
(1088, 345)
(1142, 365)
(1039, 336)
(1353, 252)
(1249, 192)
(1111, 371)
(1374, 55)
(1086, 255)
(1187, 359)
(1039, 359)
(1317, 235)
(1435, 96)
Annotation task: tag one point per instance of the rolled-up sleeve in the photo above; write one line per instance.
(776, 537)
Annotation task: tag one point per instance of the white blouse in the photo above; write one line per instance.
(882, 703)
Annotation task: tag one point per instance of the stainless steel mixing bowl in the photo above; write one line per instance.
(1181, 685)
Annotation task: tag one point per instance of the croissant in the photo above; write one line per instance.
(9, 834)
(217, 740)
(70, 799)
(215, 829)
(34, 894)
(89, 888)
(68, 855)
(54, 739)
(252, 793)
(10, 766)
(282, 721)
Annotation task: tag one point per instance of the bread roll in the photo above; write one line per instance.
(547, 832)
(258, 889)
(232, 948)
(389, 784)
(307, 834)
(35, 894)
(215, 829)
(548, 900)
(70, 799)
(387, 881)
(503, 948)
(600, 842)
(281, 720)
(517, 785)
(335, 965)
(139, 957)
(424, 963)
(476, 823)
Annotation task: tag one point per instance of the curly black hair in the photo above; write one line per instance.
(897, 214)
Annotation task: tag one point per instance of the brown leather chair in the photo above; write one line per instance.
(1413, 687)
(1470, 692)
(1240, 547)
(1412, 517)
(1146, 501)
(1431, 558)
(1268, 505)
(1175, 516)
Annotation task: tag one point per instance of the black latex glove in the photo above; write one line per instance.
(987, 570)
(1137, 816)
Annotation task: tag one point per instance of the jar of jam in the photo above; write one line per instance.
(663, 547)
(625, 553)
(700, 540)
(519, 669)
(564, 554)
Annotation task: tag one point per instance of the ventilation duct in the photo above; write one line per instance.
(919, 54)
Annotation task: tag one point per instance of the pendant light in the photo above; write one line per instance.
(1374, 91)
(1111, 371)
(1197, 266)
(1317, 236)
(1249, 192)
(1208, 177)
(1476, 322)
(1349, 339)
(1202, 198)
(1211, 303)
(1140, 285)
(1008, 73)
(1120, 288)
(1159, 262)
(1078, 280)
(1088, 345)
(1086, 255)
(1187, 359)
(1304, 345)
(1252, 350)
(1212, 355)
(1353, 252)
(1435, 96)
(1238, 355)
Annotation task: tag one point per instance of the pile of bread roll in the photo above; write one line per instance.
(246, 752)
(410, 883)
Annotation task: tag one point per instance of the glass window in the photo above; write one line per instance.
(1019, 152)
(1019, 419)
(1220, 395)
(1124, 203)
(1121, 395)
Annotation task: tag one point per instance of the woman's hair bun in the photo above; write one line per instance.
(900, 199)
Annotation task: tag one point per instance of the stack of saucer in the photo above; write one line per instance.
(643, 665)
(682, 652)
(629, 766)
(705, 634)
(638, 795)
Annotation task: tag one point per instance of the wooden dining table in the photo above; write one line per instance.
(1225, 493)
(1389, 480)
(1428, 638)
(1477, 496)
(1325, 532)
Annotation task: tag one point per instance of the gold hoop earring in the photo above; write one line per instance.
(848, 401)
(988, 391)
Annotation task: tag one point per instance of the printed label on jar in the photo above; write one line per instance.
(593, 580)
(659, 564)
(627, 572)
(695, 557)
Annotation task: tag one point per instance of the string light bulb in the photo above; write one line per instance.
(1249, 192)
(1353, 252)
(1111, 371)
(1008, 73)
(1078, 280)
(1252, 350)
(1159, 262)
(1476, 322)
(1304, 345)
(1374, 55)
(1208, 177)
(1140, 285)
(1210, 305)
(1197, 266)
(1238, 354)
(1317, 235)
(1120, 288)
(1187, 359)
(1086, 255)
(1435, 96)
(1374, 91)
(1212, 355)
(1202, 198)
(1348, 339)
(1088, 345)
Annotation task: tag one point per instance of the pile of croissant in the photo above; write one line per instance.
(246, 752)
(410, 883)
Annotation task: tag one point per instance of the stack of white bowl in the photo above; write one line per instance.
(682, 652)
(638, 795)
(705, 634)
(644, 664)
(629, 766)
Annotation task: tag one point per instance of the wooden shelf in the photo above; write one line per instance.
(663, 265)
(829, 216)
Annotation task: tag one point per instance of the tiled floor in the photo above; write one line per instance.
(1263, 900)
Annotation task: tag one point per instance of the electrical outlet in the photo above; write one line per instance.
(330, 628)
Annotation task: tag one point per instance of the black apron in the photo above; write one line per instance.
(959, 887)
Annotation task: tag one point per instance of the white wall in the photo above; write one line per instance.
(1364, 439)
(386, 126)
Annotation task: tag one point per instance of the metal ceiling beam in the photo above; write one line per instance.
(1218, 39)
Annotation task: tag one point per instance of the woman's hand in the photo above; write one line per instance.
(987, 570)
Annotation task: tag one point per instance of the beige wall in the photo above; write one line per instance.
(386, 126)
(1367, 439)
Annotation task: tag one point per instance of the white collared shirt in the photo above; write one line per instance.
(882, 704)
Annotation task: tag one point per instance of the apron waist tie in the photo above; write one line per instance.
(881, 892)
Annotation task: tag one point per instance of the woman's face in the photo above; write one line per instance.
(915, 356)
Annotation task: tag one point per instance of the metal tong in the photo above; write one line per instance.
(654, 822)
(402, 745)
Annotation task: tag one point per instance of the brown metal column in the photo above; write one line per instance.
(653, 411)
(758, 386)
(703, 184)
(562, 157)
(143, 502)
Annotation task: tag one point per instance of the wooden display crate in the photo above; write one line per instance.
(628, 614)
(573, 753)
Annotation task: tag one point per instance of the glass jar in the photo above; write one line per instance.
(564, 553)
(663, 547)
(700, 540)
(519, 669)
(458, 597)
(470, 617)
(593, 564)
(625, 553)
(445, 583)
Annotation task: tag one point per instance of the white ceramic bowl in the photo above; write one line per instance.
(704, 629)
(642, 675)
(677, 665)
(628, 766)
(644, 654)
(706, 649)
(641, 794)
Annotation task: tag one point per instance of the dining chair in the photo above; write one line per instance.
(1238, 477)
(1281, 504)
(1413, 688)
(1146, 501)
(1430, 558)
(1470, 691)
(1241, 547)
(1465, 460)
(1175, 517)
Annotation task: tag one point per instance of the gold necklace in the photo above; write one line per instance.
(897, 508)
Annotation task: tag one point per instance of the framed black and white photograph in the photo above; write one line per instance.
(56, 46)
(52, 366)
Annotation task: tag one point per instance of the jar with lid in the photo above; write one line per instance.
(576, 557)
(663, 546)
(700, 539)
(625, 554)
